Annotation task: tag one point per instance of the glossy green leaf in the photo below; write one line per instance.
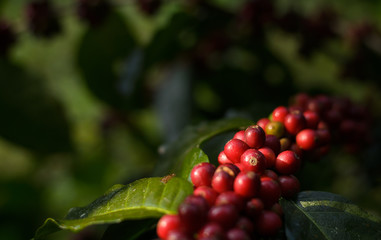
(322, 215)
(144, 198)
(30, 115)
(181, 155)
(105, 59)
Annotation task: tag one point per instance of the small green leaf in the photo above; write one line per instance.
(180, 156)
(144, 198)
(322, 215)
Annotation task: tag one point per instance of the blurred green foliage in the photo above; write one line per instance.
(92, 106)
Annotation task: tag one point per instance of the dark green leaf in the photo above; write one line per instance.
(180, 156)
(102, 58)
(144, 198)
(322, 215)
(30, 116)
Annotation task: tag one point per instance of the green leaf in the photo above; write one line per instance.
(30, 115)
(106, 63)
(144, 198)
(322, 215)
(181, 155)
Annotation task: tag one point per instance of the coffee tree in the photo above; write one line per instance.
(189, 120)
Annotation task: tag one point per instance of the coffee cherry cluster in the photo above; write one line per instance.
(239, 199)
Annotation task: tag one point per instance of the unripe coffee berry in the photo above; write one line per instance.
(287, 162)
(306, 139)
(166, 224)
(234, 149)
(255, 136)
(202, 174)
(275, 128)
(253, 160)
(247, 184)
(289, 185)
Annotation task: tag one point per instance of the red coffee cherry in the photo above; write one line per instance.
(270, 173)
(273, 143)
(301, 100)
(263, 122)
(240, 135)
(202, 174)
(268, 223)
(253, 160)
(247, 184)
(178, 234)
(237, 234)
(245, 224)
(294, 122)
(277, 208)
(275, 128)
(232, 198)
(312, 119)
(270, 191)
(323, 137)
(287, 162)
(208, 193)
(269, 155)
(306, 139)
(199, 201)
(225, 215)
(192, 216)
(279, 114)
(254, 207)
(255, 136)
(166, 224)
(222, 158)
(234, 149)
(315, 105)
(230, 168)
(211, 230)
(333, 117)
(289, 185)
(222, 181)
